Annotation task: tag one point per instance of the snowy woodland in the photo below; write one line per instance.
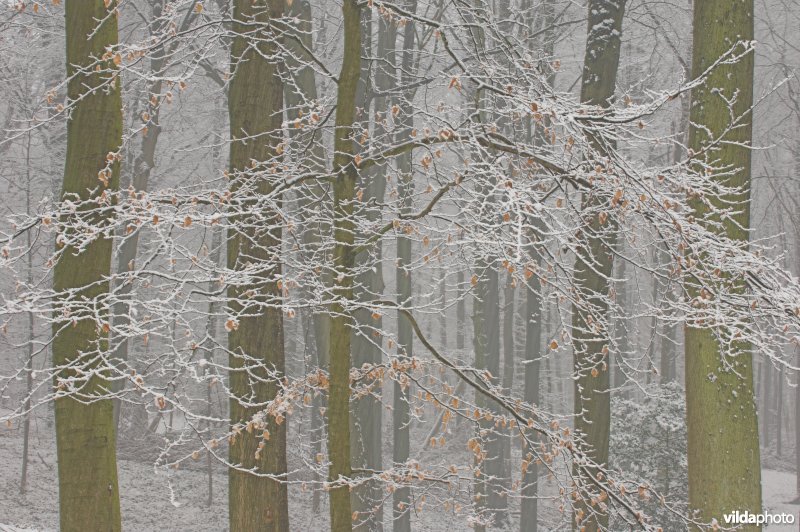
(395, 265)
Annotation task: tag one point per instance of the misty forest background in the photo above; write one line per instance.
(398, 265)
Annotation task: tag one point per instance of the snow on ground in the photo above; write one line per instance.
(148, 505)
(779, 490)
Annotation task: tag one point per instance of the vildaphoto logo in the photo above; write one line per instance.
(764, 518)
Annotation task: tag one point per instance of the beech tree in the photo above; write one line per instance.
(416, 202)
(257, 491)
(595, 257)
(723, 452)
(85, 432)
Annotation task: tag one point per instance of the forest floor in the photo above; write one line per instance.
(779, 491)
(177, 501)
(154, 500)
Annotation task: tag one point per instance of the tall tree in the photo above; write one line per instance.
(401, 414)
(532, 310)
(592, 400)
(366, 430)
(344, 190)
(257, 490)
(529, 506)
(85, 435)
(723, 452)
(300, 93)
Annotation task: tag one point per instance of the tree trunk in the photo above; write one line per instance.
(401, 414)
(529, 505)
(26, 428)
(723, 452)
(366, 431)
(257, 498)
(85, 436)
(797, 433)
(461, 315)
(299, 95)
(779, 413)
(621, 333)
(508, 370)
(344, 188)
(764, 399)
(211, 332)
(592, 400)
(532, 311)
(491, 503)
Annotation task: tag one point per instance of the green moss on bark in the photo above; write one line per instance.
(85, 435)
(724, 460)
(344, 261)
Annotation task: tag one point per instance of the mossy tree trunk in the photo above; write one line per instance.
(723, 451)
(257, 500)
(344, 188)
(592, 400)
(85, 435)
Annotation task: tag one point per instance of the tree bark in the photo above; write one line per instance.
(257, 497)
(509, 360)
(723, 447)
(26, 427)
(299, 93)
(401, 414)
(85, 436)
(593, 266)
(366, 431)
(529, 506)
(344, 188)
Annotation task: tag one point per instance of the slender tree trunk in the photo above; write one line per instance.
(461, 315)
(779, 415)
(344, 189)
(401, 415)
(490, 501)
(766, 387)
(85, 435)
(366, 431)
(256, 339)
(532, 311)
(26, 427)
(509, 313)
(300, 93)
(592, 398)
(529, 505)
(621, 333)
(797, 433)
(443, 314)
(723, 449)
(211, 331)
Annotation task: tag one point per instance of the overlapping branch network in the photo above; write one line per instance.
(502, 164)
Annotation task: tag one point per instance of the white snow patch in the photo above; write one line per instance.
(778, 491)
